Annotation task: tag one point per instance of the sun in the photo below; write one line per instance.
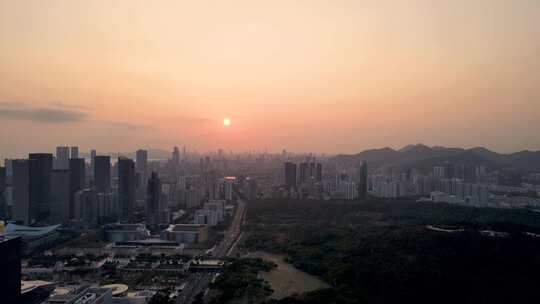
(226, 122)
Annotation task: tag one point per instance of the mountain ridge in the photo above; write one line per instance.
(423, 156)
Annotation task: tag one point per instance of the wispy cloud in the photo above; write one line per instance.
(22, 111)
(59, 112)
(64, 105)
(127, 125)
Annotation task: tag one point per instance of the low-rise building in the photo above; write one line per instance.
(32, 237)
(125, 232)
(84, 295)
(186, 233)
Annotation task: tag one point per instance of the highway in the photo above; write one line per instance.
(199, 282)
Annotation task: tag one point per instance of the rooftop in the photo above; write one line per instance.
(185, 227)
(27, 231)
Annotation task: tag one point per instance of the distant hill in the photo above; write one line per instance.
(424, 158)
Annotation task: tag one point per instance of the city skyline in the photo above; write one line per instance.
(115, 76)
(269, 151)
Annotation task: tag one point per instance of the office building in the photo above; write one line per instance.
(126, 187)
(176, 157)
(60, 197)
(290, 175)
(24, 210)
(141, 165)
(10, 263)
(92, 160)
(3, 185)
(62, 158)
(74, 152)
(40, 182)
(77, 178)
(153, 200)
(102, 174)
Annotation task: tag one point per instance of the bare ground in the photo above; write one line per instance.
(286, 280)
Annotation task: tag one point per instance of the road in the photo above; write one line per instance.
(199, 282)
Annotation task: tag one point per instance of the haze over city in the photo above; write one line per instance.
(321, 76)
(269, 151)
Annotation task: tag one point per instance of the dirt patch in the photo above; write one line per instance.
(286, 280)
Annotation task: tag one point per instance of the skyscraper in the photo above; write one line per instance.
(60, 194)
(153, 196)
(40, 182)
(10, 263)
(318, 176)
(126, 186)
(23, 209)
(77, 178)
(2, 192)
(102, 174)
(303, 172)
(363, 181)
(3, 177)
(176, 157)
(62, 158)
(74, 152)
(92, 161)
(141, 165)
(290, 175)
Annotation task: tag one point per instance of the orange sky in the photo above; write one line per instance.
(322, 76)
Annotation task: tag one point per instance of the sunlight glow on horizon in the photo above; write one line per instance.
(328, 76)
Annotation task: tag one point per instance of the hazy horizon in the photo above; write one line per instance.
(321, 76)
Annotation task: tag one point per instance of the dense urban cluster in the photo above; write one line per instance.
(160, 227)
